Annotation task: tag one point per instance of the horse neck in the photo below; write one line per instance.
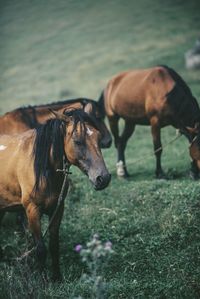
(185, 107)
(190, 114)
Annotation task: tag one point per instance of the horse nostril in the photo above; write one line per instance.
(102, 181)
(99, 180)
(106, 144)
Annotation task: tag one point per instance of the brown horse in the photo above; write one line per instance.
(157, 97)
(25, 118)
(29, 177)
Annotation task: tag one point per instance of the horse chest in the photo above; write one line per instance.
(10, 196)
(47, 204)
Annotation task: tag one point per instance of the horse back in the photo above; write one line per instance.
(12, 122)
(138, 93)
(25, 118)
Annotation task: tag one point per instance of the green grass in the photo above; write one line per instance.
(52, 50)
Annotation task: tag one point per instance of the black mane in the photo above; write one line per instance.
(50, 138)
(83, 101)
(28, 116)
(28, 113)
(182, 101)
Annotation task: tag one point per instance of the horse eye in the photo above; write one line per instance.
(98, 117)
(78, 142)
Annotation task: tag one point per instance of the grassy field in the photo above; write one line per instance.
(52, 50)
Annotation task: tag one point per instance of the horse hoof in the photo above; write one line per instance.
(120, 169)
(161, 176)
(126, 175)
(57, 278)
(194, 176)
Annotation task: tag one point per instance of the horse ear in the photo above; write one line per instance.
(190, 130)
(197, 126)
(88, 108)
(194, 130)
(60, 116)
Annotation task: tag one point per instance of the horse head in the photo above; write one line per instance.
(194, 147)
(82, 146)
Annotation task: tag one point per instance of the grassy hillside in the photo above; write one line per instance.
(51, 50)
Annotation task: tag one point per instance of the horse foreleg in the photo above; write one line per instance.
(155, 130)
(21, 221)
(194, 170)
(1, 217)
(54, 242)
(126, 134)
(33, 216)
(113, 122)
(2, 213)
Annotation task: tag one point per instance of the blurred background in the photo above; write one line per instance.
(52, 50)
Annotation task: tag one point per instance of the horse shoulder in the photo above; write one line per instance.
(10, 189)
(24, 161)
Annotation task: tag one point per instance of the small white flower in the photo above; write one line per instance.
(2, 147)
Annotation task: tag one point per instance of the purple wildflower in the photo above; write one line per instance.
(78, 248)
(108, 245)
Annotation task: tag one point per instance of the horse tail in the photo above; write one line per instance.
(101, 106)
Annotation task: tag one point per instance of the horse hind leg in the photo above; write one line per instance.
(1, 218)
(113, 122)
(114, 127)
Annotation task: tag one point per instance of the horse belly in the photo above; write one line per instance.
(10, 192)
(132, 109)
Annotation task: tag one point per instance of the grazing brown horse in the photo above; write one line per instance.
(29, 177)
(157, 97)
(25, 118)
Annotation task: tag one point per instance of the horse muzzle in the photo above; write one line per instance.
(106, 144)
(101, 181)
